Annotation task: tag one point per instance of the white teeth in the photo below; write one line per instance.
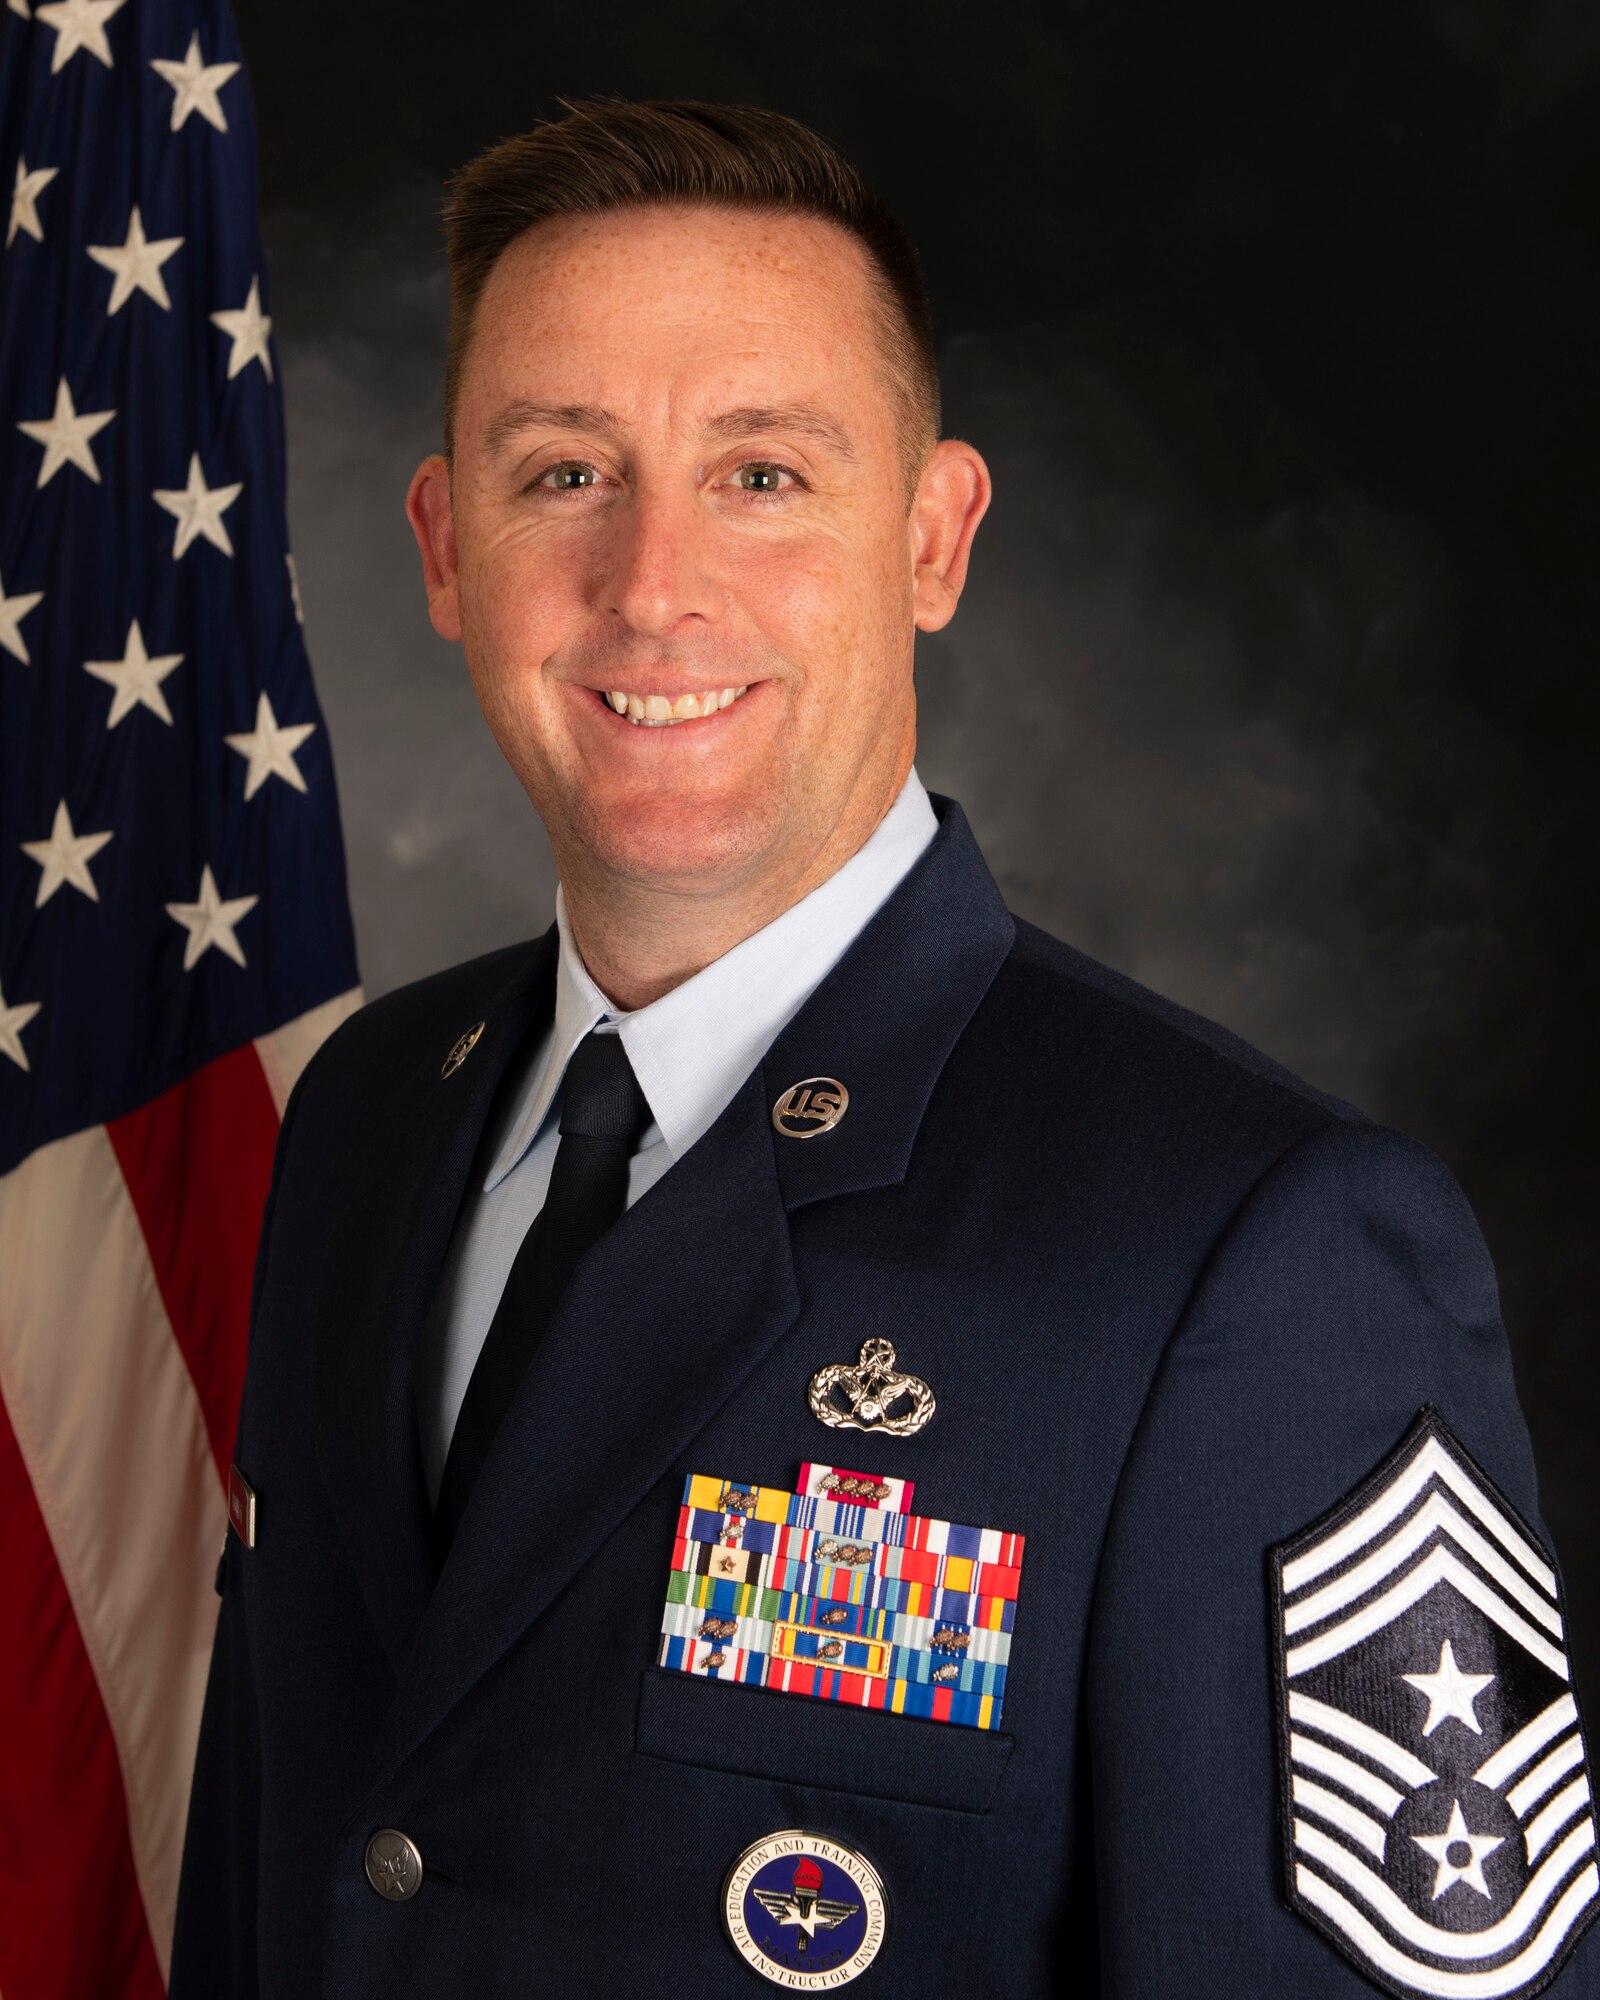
(656, 711)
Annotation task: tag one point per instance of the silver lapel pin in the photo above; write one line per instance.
(461, 1048)
(808, 1109)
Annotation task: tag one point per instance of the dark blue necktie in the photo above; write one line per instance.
(603, 1115)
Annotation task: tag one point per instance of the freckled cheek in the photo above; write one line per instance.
(804, 603)
(516, 615)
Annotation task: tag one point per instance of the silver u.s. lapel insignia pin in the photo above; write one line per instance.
(810, 1108)
(872, 1396)
(461, 1048)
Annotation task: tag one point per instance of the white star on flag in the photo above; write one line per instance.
(19, 7)
(12, 1022)
(1478, 1845)
(64, 858)
(199, 509)
(78, 24)
(195, 84)
(210, 921)
(12, 612)
(1450, 1693)
(270, 749)
(25, 195)
(137, 264)
(248, 328)
(65, 436)
(136, 677)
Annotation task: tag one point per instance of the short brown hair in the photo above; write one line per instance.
(610, 154)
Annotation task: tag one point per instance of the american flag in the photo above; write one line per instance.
(175, 936)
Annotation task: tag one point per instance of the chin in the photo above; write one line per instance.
(689, 838)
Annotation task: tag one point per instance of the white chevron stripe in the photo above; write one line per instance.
(1544, 1777)
(1436, 1516)
(1349, 1819)
(115, 1444)
(1440, 1566)
(1541, 1831)
(1528, 1742)
(1516, 1974)
(1415, 1930)
(1327, 1721)
(1432, 1461)
(1318, 1757)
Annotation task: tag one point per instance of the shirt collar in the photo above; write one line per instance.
(694, 1047)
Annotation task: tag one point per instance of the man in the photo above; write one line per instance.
(799, 1430)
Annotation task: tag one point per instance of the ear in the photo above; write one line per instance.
(952, 498)
(432, 521)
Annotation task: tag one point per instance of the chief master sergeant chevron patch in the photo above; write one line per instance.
(1438, 1823)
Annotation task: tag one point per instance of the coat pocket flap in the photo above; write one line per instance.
(791, 1739)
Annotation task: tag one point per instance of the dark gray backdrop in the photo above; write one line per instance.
(1273, 681)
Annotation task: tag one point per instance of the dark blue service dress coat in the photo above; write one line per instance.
(1175, 1307)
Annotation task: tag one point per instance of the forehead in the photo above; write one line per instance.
(642, 293)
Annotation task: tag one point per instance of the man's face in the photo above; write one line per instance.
(679, 491)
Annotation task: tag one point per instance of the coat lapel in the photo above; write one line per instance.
(886, 1019)
(379, 1297)
(648, 1343)
(622, 1380)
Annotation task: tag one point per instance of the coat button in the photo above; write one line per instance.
(394, 1864)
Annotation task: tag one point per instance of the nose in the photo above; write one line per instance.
(659, 568)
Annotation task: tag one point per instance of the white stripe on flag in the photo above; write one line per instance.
(287, 1050)
(115, 1445)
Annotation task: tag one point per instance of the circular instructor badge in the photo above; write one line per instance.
(803, 1911)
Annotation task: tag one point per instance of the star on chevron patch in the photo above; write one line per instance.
(1437, 1818)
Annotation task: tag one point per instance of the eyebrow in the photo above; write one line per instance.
(799, 419)
(518, 417)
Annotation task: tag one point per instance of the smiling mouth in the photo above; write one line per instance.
(659, 711)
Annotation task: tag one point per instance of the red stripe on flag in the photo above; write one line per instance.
(198, 1163)
(72, 1924)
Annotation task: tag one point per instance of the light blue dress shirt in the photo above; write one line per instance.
(690, 1050)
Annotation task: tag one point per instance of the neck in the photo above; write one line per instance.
(639, 939)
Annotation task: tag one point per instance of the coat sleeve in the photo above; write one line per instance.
(1351, 1288)
(214, 1943)
(214, 1938)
